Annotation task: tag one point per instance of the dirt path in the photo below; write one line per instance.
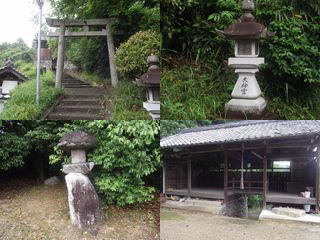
(40, 212)
(178, 224)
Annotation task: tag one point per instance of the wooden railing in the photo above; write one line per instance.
(250, 186)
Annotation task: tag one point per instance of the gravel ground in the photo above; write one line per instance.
(178, 224)
(33, 211)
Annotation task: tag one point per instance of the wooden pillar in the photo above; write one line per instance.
(60, 60)
(317, 180)
(164, 177)
(225, 185)
(111, 52)
(189, 176)
(265, 180)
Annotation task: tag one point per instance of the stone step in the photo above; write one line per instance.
(75, 83)
(80, 101)
(74, 116)
(85, 91)
(76, 86)
(88, 109)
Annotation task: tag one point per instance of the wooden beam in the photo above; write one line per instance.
(189, 176)
(164, 177)
(225, 174)
(265, 180)
(76, 23)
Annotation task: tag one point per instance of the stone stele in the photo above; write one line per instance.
(83, 202)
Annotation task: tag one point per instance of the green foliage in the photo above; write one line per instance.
(255, 201)
(22, 104)
(131, 56)
(128, 100)
(19, 139)
(127, 152)
(17, 52)
(291, 54)
(13, 150)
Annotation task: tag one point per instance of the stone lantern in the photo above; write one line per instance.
(83, 200)
(246, 96)
(151, 82)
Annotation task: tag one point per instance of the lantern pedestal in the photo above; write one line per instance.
(249, 108)
(153, 109)
(246, 99)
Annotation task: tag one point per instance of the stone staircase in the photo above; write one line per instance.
(69, 82)
(81, 102)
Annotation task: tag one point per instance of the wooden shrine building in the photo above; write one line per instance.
(10, 77)
(277, 159)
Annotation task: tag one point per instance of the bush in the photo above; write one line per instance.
(128, 102)
(131, 56)
(255, 201)
(22, 104)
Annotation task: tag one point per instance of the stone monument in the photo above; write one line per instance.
(83, 200)
(246, 101)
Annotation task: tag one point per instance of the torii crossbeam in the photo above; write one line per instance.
(64, 23)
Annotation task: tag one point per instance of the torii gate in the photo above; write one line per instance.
(64, 23)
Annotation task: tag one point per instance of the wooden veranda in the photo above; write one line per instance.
(218, 171)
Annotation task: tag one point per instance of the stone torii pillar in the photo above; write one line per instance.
(60, 60)
(65, 23)
(83, 200)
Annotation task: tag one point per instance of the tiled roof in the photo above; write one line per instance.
(8, 67)
(240, 131)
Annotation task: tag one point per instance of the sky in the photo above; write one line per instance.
(16, 20)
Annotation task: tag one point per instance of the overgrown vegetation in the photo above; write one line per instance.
(194, 51)
(126, 156)
(128, 103)
(22, 103)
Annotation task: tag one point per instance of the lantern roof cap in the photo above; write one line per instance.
(152, 77)
(77, 140)
(245, 28)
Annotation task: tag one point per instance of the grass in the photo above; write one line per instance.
(189, 91)
(128, 102)
(200, 91)
(93, 79)
(22, 104)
